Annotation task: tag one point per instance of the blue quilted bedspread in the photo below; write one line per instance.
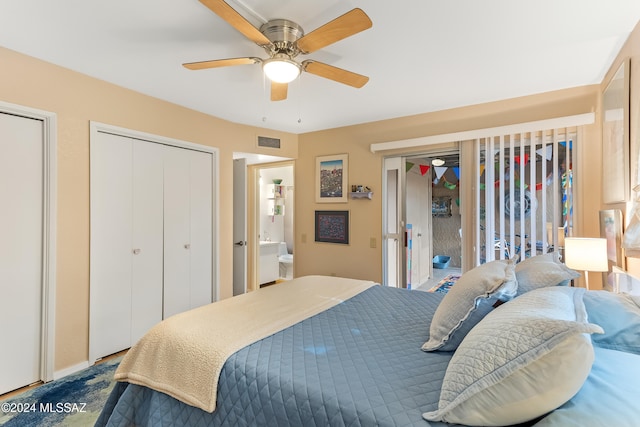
(356, 364)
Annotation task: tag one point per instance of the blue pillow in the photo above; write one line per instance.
(609, 396)
(542, 271)
(619, 316)
(468, 301)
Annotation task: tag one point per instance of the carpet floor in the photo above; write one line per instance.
(75, 400)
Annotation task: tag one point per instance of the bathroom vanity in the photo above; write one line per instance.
(269, 264)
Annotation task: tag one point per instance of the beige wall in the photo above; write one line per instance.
(358, 259)
(77, 99)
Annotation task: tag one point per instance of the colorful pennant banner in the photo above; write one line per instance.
(547, 153)
(440, 170)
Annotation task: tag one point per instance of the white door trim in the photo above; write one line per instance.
(96, 127)
(50, 141)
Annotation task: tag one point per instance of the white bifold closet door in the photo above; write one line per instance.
(126, 241)
(187, 230)
(176, 231)
(201, 229)
(21, 234)
(151, 237)
(147, 239)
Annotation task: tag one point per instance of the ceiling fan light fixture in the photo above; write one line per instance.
(281, 69)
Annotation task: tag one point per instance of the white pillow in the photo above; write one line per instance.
(470, 299)
(541, 271)
(524, 359)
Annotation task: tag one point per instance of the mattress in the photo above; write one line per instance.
(356, 364)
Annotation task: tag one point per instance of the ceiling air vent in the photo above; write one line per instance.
(264, 141)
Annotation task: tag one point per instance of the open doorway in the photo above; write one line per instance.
(446, 219)
(422, 220)
(274, 222)
(248, 225)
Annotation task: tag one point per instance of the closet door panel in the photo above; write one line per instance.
(201, 228)
(147, 249)
(111, 245)
(176, 231)
(21, 177)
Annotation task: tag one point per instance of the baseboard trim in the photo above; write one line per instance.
(70, 370)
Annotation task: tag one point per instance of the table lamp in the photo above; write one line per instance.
(586, 254)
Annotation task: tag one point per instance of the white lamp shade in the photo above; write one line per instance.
(586, 254)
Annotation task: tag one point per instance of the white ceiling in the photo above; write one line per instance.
(421, 55)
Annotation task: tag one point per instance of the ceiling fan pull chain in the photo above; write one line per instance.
(299, 96)
(264, 98)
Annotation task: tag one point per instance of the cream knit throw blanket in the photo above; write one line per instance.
(183, 355)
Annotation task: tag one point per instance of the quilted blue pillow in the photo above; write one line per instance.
(542, 271)
(609, 397)
(619, 316)
(471, 298)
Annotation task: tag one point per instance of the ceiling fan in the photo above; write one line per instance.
(284, 40)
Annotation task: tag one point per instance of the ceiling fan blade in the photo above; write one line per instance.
(216, 63)
(279, 91)
(334, 73)
(237, 21)
(342, 27)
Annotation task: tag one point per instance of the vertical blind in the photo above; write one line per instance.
(524, 193)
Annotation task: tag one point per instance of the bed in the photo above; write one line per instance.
(507, 345)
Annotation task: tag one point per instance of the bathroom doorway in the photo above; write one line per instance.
(274, 222)
(247, 216)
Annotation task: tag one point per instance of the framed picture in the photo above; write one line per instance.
(332, 227)
(615, 137)
(611, 229)
(441, 207)
(331, 179)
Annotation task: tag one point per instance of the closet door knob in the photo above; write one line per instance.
(136, 251)
(187, 246)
